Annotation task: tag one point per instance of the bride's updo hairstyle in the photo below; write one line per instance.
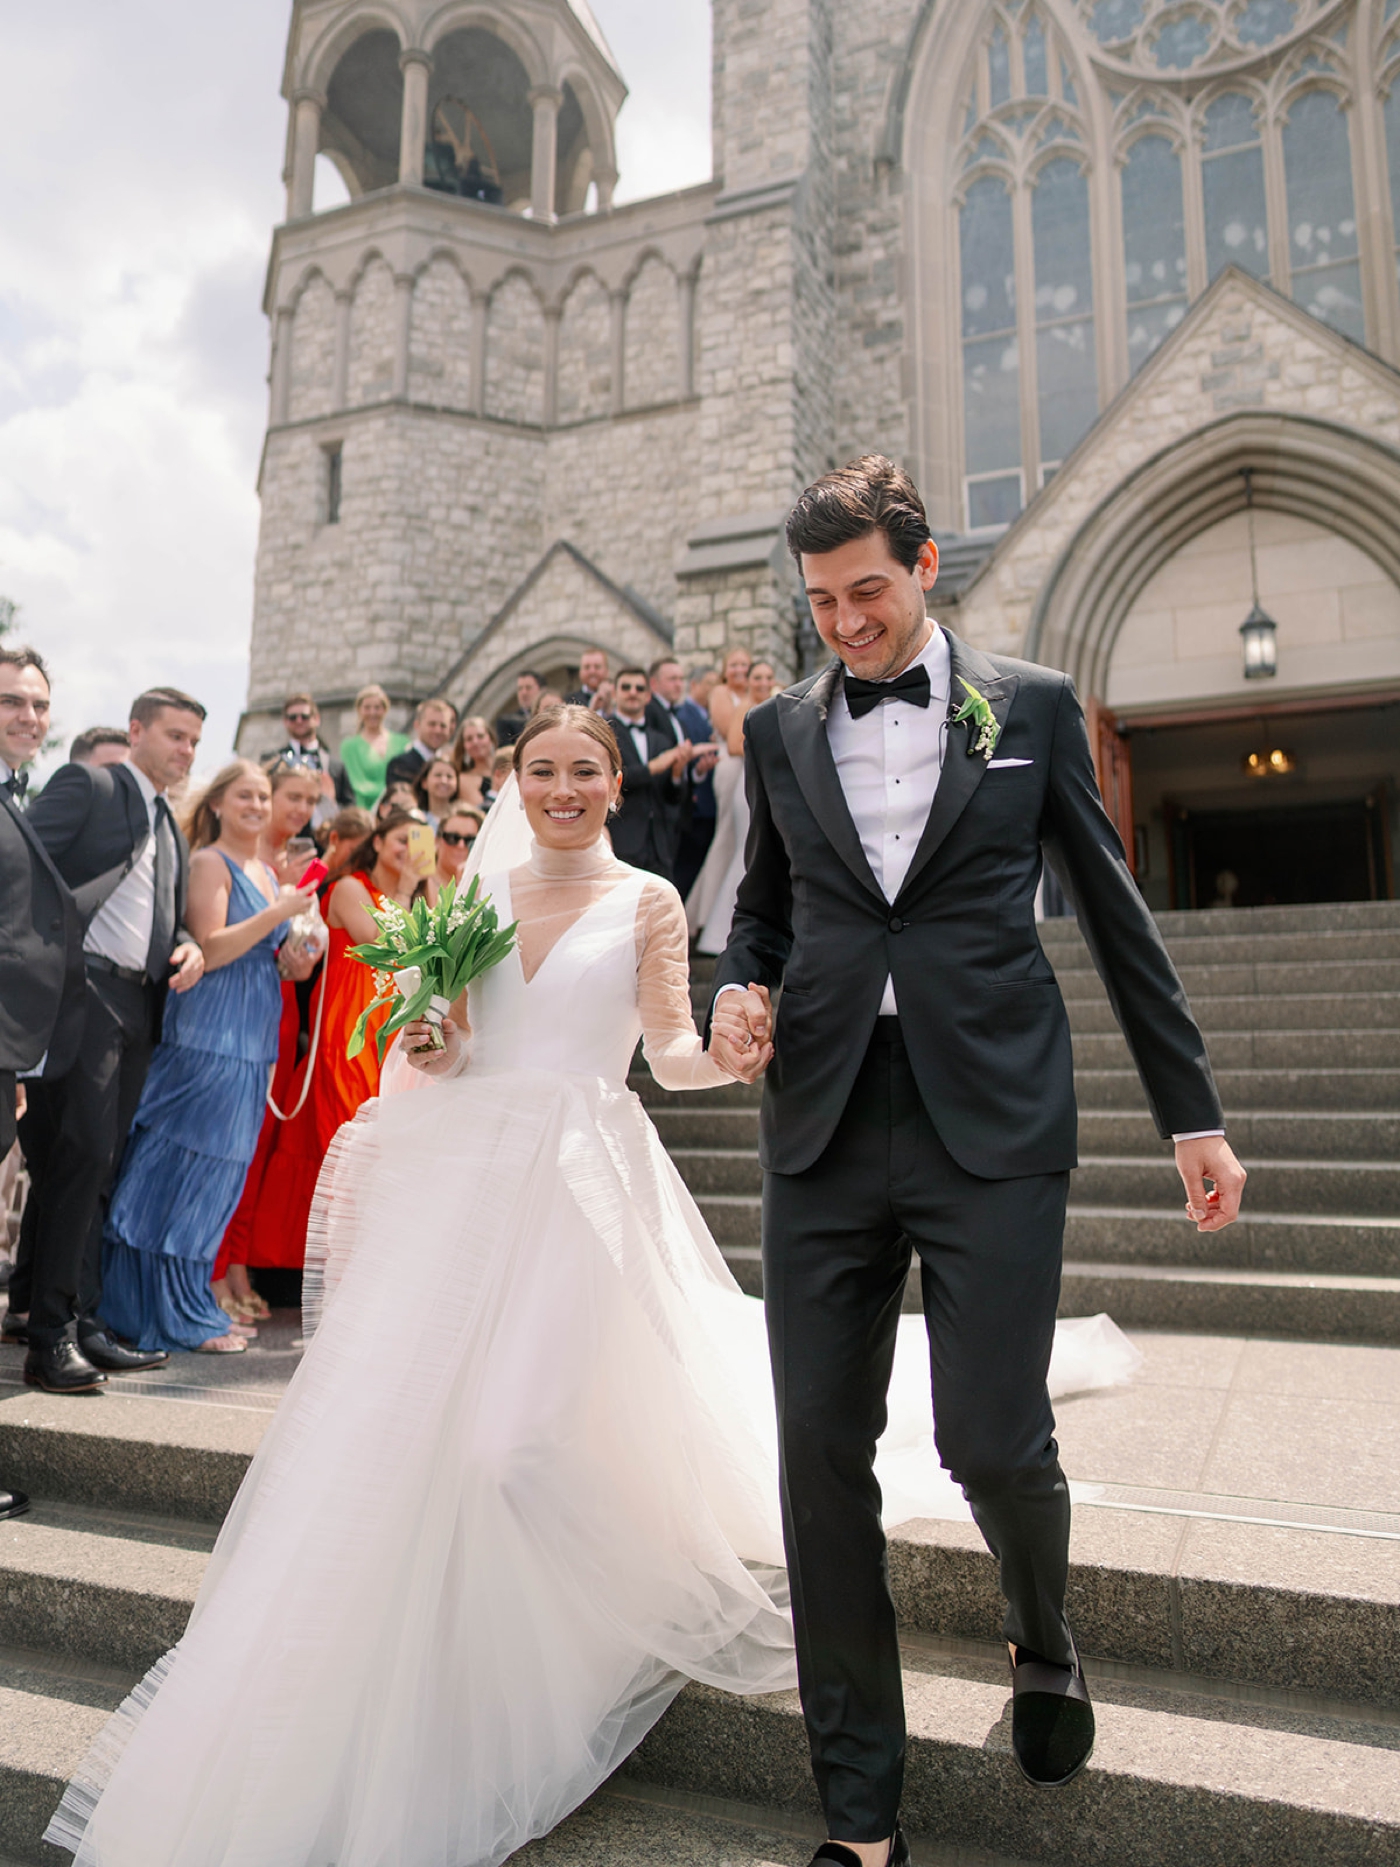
(571, 719)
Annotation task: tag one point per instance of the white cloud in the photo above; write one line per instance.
(142, 147)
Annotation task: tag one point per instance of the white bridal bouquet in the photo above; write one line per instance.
(427, 959)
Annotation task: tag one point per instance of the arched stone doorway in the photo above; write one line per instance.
(1246, 791)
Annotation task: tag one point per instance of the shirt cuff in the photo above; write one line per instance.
(1199, 1134)
(731, 987)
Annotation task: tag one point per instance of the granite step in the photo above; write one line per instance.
(95, 1585)
(1258, 1135)
(1357, 1189)
(1264, 1241)
(1219, 1018)
(1072, 954)
(1204, 984)
(1323, 917)
(51, 1712)
(1302, 1305)
(1178, 1777)
(120, 1452)
(1261, 1241)
(1289, 1090)
(1303, 1050)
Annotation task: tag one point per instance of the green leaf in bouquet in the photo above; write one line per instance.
(358, 1035)
(408, 1009)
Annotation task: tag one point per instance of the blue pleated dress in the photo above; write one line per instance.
(191, 1143)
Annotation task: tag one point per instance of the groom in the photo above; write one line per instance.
(920, 1092)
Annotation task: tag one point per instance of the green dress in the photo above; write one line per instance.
(364, 770)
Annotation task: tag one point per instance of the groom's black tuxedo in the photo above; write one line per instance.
(983, 1019)
(949, 1128)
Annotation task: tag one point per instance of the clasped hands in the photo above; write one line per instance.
(741, 1032)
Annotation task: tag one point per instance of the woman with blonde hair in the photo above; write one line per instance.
(197, 1124)
(367, 751)
(472, 753)
(710, 903)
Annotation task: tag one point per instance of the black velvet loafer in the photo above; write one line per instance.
(841, 1856)
(1052, 1720)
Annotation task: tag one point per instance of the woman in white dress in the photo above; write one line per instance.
(523, 1485)
(711, 907)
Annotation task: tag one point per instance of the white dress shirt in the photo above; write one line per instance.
(638, 730)
(121, 928)
(889, 763)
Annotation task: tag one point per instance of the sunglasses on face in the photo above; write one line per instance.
(455, 839)
(297, 719)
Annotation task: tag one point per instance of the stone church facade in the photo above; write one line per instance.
(1116, 278)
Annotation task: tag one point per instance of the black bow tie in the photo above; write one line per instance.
(863, 697)
(17, 784)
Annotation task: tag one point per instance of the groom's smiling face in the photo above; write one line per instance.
(868, 608)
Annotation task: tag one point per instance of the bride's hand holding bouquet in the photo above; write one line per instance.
(424, 962)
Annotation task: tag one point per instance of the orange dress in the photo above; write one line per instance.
(273, 1212)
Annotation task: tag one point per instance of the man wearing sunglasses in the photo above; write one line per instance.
(302, 719)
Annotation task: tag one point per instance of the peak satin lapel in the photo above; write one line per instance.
(803, 726)
(961, 774)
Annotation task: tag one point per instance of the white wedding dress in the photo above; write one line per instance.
(523, 1484)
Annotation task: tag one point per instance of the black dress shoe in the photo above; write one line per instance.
(13, 1504)
(62, 1369)
(837, 1852)
(103, 1350)
(1052, 1720)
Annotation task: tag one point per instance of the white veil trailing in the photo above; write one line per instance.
(504, 840)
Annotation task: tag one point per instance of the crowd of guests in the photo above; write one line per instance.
(176, 995)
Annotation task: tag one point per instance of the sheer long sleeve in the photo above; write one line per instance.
(672, 1046)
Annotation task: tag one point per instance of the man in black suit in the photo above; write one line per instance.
(112, 838)
(302, 719)
(672, 708)
(41, 961)
(647, 827)
(592, 679)
(528, 688)
(433, 726)
(920, 1091)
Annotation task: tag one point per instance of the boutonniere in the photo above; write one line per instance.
(976, 713)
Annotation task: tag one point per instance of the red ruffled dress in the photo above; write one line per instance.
(269, 1228)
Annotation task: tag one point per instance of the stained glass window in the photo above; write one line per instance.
(999, 67)
(1260, 22)
(1232, 179)
(1035, 60)
(1064, 307)
(1182, 41)
(991, 362)
(1154, 245)
(1322, 233)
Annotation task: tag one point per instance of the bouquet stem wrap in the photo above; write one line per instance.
(426, 959)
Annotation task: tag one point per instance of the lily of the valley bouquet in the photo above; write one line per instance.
(427, 958)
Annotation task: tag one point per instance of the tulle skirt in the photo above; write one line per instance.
(522, 1487)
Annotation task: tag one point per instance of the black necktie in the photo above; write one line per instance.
(863, 697)
(17, 784)
(163, 907)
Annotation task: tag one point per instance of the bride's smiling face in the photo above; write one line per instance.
(566, 785)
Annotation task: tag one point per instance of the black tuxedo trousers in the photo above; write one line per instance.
(73, 1136)
(836, 1254)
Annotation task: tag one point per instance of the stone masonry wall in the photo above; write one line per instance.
(585, 352)
(652, 369)
(440, 520)
(515, 353)
(313, 351)
(439, 365)
(371, 374)
(871, 411)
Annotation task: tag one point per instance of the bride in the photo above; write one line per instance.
(523, 1484)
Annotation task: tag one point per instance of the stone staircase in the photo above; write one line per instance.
(1242, 1654)
(1301, 1012)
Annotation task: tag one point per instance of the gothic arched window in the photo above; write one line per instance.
(1322, 236)
(1066, 368)
(1232, 183)
(1154, 244)
(991, 361)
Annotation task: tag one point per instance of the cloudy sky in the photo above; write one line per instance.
(140, 153)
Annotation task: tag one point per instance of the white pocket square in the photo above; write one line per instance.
(1001, 764)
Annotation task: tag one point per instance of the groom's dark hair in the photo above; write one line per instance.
(867, 495)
